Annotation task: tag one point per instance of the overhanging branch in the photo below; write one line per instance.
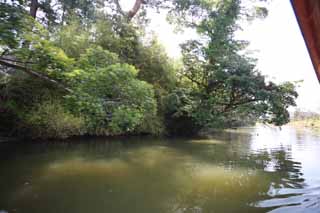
(231, 106)
(35, 74)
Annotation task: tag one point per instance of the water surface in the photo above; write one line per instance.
(259, 169)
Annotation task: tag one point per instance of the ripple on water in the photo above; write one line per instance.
(288, 200)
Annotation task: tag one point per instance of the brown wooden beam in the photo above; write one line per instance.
(308, 16)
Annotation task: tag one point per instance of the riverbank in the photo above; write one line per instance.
(312, 123)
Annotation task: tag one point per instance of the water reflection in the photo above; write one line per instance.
(252, 170)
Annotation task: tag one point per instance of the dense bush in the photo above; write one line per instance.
(19, 93)
(111, 98)
(50, 120)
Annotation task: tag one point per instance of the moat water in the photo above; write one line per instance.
(259, 169)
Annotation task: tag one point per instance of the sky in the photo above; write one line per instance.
(275, 41)
(282, 53)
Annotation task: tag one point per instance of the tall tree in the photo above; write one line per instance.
(226, 88)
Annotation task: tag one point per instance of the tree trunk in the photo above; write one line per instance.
(33, 8)
(135, 9)
(129, 15)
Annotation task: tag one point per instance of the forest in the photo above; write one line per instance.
(89, 67)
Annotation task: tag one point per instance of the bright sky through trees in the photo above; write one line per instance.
(276, 41)
(283, 54)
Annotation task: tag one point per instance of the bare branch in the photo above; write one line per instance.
(119, 9)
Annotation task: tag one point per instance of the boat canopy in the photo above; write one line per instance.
(308, 16)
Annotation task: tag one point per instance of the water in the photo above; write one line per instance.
(258, 169)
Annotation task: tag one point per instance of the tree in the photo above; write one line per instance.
(97, 85)
(225, 85)
(98, 66)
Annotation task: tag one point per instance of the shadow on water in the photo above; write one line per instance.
(250, 170)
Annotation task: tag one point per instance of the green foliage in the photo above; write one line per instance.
(49, 59)
(156, 67)
(21, 99)
(228, 86)
(119, 37)
(82, 70)
(281, 97)
(104, 95)
(83, 9)
(25, 41)
(73, 38)
(19, 92)
(14, 21)
(124, 119)
(180, 108)
(50, 120)
(96, 57)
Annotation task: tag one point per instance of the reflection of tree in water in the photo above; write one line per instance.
(287, 169)
(243, 183)
(248, 177)
(279, 164)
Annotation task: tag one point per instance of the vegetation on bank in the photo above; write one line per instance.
(90, 68)
(310, 123)
(302, 119)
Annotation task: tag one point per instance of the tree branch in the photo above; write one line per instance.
(131, 13)
(230, 106)
(14, 60)
(135, 9)
(200, 84)
(119, 9)
(35, 74)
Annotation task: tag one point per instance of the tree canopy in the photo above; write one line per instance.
(91, 64)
